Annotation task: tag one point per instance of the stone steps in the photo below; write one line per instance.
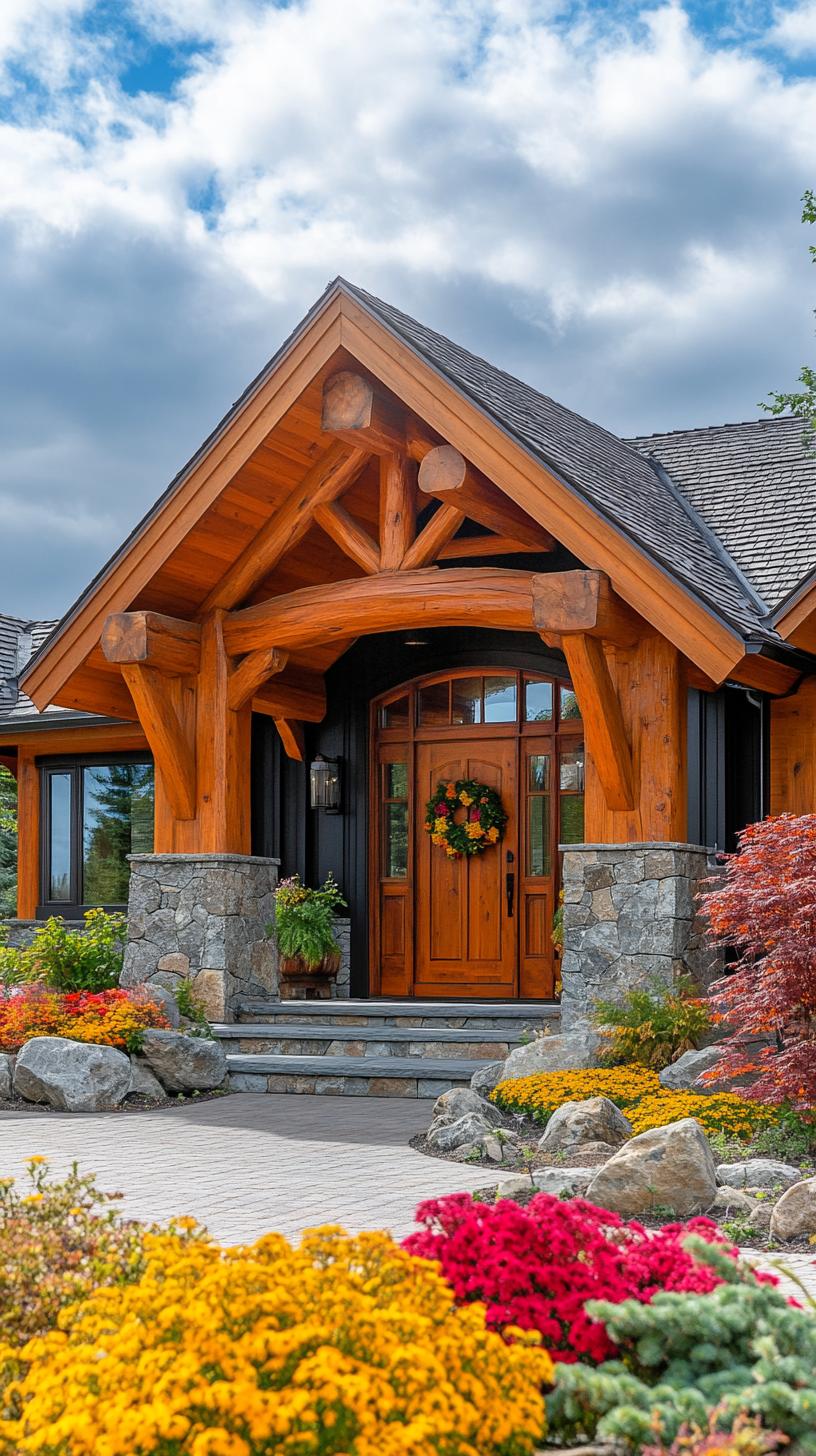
(347, 1048)
(301, 1040)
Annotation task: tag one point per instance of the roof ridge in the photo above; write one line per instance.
(708, 429)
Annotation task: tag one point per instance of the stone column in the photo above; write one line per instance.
(631, 918)
(204, 917)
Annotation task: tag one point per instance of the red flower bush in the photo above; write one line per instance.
(115, 1018)
(766, 909)
(536, 1267)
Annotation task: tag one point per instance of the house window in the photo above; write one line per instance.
(94, 815)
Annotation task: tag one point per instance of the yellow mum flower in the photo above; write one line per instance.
(492, 834)
(474, 831)
(440, 824)
(465, 798)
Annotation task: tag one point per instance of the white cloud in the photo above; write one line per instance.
(795, 30)
(606, 205)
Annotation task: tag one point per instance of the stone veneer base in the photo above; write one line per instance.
(203, 917)
(631, 918)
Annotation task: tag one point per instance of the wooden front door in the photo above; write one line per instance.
(466, 922)
(480, 926)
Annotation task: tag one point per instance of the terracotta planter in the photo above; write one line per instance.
(299, 982)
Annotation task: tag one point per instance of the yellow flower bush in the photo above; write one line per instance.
(542, 1092)
(341, 1347)
(723, 1112)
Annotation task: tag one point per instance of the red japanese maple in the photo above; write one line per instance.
(536, 1267)
(765, 908)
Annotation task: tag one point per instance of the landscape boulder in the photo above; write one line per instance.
(144, 1082)
(794, 1216)
(72, 1076)
(758, 1173)
(573, 1051)
(487, 1077)
(669, 1168)
(6, 1075)
(162, 998)
(184, 1063)
(445, 1137)
(560, 1182)
(461, 1100)
(592, 1121)
(729, 1201)
(682, 1075)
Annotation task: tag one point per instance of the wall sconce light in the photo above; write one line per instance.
(324, 784)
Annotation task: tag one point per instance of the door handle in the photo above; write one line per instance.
(510, 890)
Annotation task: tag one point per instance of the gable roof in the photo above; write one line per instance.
(755, 485)
(19, 641)
(612, 474)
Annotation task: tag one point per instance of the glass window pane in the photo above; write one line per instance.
(59, 848)
(434, 704)
(395, 715)
(538, 701)
(572, 819)
(539, 771)
(572, 769)
(568, 706)
(466, 694)
(500, 700)
(396, 781)
(396, 841)
(117, 820)
(538, 835)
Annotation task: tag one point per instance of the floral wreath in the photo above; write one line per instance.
(464, 817)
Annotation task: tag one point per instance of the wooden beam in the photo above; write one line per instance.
(295, 693)
(28, 834)
(251, 673)
(479, 596)
(355, 411)
(332, 474)
(349, 535)
(446, 474)
(464, 547)
(167, 644)
(793, 751)
(166, 725)
(9, 762)
(766, 675)
(603, 722)
(223, 743)
(397, 509)
(433, 538)
(292, 738)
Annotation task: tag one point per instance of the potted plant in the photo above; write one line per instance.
(309, 955)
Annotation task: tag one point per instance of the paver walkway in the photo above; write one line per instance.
(248, 1164)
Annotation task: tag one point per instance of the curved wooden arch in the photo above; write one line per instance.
(513, 601)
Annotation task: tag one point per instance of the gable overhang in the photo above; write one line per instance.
(795, 618)
(339, 320)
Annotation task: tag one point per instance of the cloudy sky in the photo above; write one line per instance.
(601, 197)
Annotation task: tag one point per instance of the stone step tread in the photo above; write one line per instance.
(502, 1010)
(294, 1032)
(429, 1068)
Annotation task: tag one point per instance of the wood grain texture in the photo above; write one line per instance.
(292, 737)
(222, 751)
(159, 704)
(356, 411)
(28, 834)
(349, 535)
(333, 473)
(251, 673)
(445, 473)
(167, 644)
(397, 509)
(433, 538)
(793, 751)
(606, 738)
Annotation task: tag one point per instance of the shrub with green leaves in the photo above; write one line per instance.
(739, 1351)
(651, 1025)
(304, 920)
(69, 960)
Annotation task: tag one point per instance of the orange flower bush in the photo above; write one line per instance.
(114, 1018)
(343, 1345)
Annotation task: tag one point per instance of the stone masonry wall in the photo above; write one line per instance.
(630, 919)
(204, 917)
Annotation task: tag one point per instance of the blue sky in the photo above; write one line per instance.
(602, 198)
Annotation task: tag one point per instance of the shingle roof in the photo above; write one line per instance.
(612, 474)
(19, 640)
(755, 485)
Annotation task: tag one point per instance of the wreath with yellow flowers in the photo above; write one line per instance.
(465, 817)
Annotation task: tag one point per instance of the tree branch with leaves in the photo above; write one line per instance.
(802, 401)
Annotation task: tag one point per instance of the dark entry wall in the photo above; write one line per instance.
(728, 763)
(311, 842)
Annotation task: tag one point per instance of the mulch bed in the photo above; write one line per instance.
(132, 1104)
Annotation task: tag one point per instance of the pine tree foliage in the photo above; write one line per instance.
(740, 1350)
(8, 844)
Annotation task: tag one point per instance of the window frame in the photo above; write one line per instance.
(74, 908)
